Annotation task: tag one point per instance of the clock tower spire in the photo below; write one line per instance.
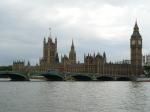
(136, 51)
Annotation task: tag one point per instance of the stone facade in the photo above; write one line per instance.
(95, 63)
(50, 55)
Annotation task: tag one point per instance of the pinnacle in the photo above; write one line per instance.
(136, 28)
(72, 43)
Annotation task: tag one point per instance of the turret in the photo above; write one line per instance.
(104, 57)
(56, 58)
(56, 42)
(28, 64)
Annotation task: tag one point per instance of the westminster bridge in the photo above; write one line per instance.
(14, 76)
(20, 76)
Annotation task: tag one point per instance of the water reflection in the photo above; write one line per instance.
(74, 97)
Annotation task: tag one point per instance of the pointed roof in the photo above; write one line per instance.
(104, 55)
(28, 63)
(72, 46)
(136, 28)
(72, 50)
(136, 33)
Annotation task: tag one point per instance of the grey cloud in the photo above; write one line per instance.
(23, 25)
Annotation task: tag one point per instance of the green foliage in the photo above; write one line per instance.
(5, 68)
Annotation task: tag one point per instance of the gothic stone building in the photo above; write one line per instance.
(95, 63)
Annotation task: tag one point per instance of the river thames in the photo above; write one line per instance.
(43, 96)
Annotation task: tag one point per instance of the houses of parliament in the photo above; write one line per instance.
(93, 63)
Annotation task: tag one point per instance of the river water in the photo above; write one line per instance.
(38, 96)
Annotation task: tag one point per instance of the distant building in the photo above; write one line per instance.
(146, 60)
(93, 63)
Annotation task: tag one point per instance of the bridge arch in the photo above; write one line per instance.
(124, 79)
(52, 77)
(3, 75)
(15, 76)
(105, 78)
(80, 77)
(18, 77)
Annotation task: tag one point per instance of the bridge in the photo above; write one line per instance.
(109, 77)
(56, 76)
(14, 76)
(81, 77)
(101, 77)
(53, 77)
(49, 77)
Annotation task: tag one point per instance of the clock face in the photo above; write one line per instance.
(139, 42)
(133, 42)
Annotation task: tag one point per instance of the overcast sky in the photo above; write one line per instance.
(94, 25)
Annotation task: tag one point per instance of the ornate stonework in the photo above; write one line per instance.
(92, 63)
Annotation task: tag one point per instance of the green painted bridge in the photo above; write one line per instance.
(56, 76)
(14, 76)
(101, 77)
(84, 77)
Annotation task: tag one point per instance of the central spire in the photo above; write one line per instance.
(72, 54)
(72, 46)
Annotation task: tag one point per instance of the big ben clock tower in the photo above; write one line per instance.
(136, 51)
